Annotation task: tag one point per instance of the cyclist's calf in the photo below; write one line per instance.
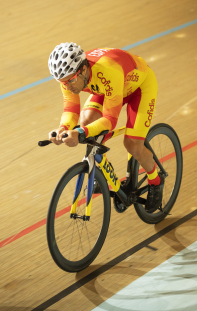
(137, 149)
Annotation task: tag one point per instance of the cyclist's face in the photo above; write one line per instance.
(74, 82)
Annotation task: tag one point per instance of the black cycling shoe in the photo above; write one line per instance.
(154, 197)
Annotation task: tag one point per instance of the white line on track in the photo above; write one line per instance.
(183, 106)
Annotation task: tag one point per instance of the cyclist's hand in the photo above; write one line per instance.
(58, 139)
(72, 139)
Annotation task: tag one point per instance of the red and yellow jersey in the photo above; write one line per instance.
(114, 73)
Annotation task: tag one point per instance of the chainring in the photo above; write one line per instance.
(118, 205)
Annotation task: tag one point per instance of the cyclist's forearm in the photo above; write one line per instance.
(71, 112)
(100, 125)
(69, 120)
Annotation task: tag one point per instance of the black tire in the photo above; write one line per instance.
(75, 243)
(166, 145)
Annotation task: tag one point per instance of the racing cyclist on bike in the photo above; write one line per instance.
(113, 77)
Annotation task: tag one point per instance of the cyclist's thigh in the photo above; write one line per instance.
(92, 110)
(141, 107)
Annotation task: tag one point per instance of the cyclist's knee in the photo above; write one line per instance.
(88, 116)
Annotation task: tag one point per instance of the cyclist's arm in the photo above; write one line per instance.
(111, 107)
(71, 112)
(111, 111)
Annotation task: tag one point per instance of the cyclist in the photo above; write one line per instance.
(113, 77)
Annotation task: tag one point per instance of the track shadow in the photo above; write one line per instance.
(92, 288)
(176, 244)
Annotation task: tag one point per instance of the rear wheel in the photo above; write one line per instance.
(166, 145)
(75, 243)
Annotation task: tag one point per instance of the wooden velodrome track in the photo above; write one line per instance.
(29, 32)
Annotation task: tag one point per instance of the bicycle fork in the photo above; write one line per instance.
(113, 180)
(91, 161)
(109, 175)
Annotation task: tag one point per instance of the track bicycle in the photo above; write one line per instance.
(79, 212)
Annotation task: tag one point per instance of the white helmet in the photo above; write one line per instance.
(65, 59)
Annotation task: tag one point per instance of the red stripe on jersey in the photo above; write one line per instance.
(132, 108)
(75, 109)
(123, 58)
(98, 99)
(65, 127)
(85, 130)
(112, 120)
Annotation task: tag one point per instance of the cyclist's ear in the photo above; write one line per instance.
(84, 69)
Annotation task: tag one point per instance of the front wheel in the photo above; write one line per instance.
(166, 145)
(75, 243)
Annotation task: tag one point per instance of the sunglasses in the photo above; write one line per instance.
(71, 80)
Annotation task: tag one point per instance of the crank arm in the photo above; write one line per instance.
(140, 200)
(135, 196)
(141, 191)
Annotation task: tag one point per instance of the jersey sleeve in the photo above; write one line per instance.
(71, 111)
(110, 81)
